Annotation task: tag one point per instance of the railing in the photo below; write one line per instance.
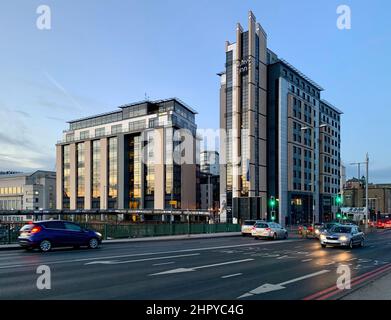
(9, 232)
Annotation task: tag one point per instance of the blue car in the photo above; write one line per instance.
(46, 235)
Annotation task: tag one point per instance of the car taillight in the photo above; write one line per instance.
(268, 229)
(36, 229)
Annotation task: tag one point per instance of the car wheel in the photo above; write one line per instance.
(286, 235)
(256, 238)
(351, 244)
(275, 236)
(45, 246)
(93, 243)
(323, 246)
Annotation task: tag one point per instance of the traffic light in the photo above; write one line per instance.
(272, 202)
(338, 200)
(338, 215)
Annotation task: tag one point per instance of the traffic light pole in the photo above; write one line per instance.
(366, 191)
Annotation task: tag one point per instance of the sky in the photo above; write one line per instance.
(102, 54)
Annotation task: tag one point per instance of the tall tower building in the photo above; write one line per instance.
(280, 140)
(243, 111)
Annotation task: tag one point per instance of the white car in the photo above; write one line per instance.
(269, 230)
(247, 227)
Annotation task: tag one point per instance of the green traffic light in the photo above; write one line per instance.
(338, 199)
(272, 202)
(338, 215)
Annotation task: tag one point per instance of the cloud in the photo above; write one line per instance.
(15, 141)
(23, 162)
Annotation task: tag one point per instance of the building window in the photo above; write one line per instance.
(66, 177)
(80, 175)
(84, 134)
(99, 132)
(113, 173)
(96, 150)
(116, 129)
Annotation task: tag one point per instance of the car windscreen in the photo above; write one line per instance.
(249, 223)
(27, 227)
(261, 225)
(339, 229)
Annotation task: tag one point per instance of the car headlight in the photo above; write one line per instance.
(98, 234)
(322, 237)
(317, 231)
(343, 238)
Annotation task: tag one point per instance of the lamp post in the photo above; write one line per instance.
(366, 162)
(316, 187)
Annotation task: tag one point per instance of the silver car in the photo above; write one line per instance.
(247, 227)
(269, 230)
(343, 236)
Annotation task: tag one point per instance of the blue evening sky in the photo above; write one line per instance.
(101, 54)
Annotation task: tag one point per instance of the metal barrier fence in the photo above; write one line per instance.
(9, 231)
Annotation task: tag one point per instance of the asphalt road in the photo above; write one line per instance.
(202, 269)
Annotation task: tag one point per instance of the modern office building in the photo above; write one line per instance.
(28, 191)
(243, 115)
(330, 159)
(210, 162)
(282, 140)
(209, 192)
(141, 156)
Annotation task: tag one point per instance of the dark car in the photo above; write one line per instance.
(46, 235)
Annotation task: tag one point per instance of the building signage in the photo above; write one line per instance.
(244, 65)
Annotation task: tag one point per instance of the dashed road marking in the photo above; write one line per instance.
(231, 275)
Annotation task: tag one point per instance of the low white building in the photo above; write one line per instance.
(28, 191)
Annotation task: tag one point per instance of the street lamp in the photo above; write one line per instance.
(366, 162)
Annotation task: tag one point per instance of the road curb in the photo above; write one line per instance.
(149, 239)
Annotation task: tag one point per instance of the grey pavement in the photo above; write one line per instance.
(379, 289)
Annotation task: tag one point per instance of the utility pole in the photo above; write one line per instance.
(366, 185)
(366, 190)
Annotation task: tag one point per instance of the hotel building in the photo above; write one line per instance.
(141, 156)
(282, 140)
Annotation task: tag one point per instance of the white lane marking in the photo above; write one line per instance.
(307, 260)
(285, 257)
(231, 275)
(351, 259)
(163, 264)
(141, 260)
(147, 254)
(274, 287)
(327, 263)
(182, 270)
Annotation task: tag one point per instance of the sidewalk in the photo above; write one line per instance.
(379, 289)
(146, 239)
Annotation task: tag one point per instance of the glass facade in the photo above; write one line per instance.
(229, 89)
(149, 171)
(66, 184)
(80, 175)
(172, 172)
(95, 183)
(113, 173)
(133, 160)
